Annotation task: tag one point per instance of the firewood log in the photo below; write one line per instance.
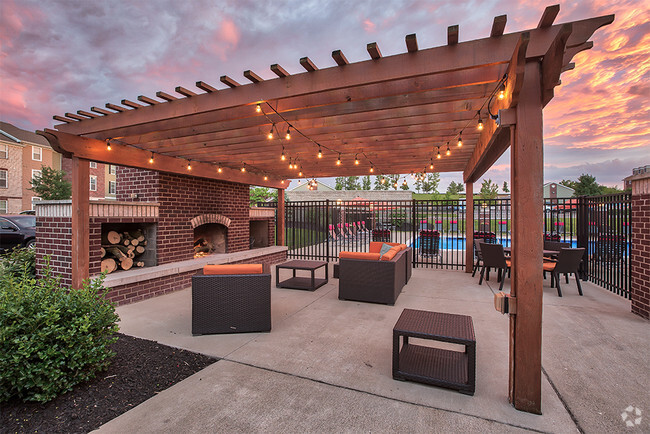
(111, 237)
(102, 252)
(138, 235)
(126, 263)
(139, 250)
(117, 252)
(139, 264)
(132, 240)
(108, 265)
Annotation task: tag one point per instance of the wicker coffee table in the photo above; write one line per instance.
(309, 283)
(435, 366)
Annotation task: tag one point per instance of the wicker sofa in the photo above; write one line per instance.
(232, 298)
(364, 276)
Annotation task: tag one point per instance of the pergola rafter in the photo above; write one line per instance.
(389, 111)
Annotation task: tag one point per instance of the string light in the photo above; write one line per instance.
(448, 153)
(356, 160)
(320, 153)
(395, 185)
(108, 144)
(243, 167)
(151, 159)
(219, 169)
(372, 169)
(431, 164)
(288, 136)
(290, 164)
(270, 135)
(283, 157)
(189, 165)
(258, 108)
(266, 178)
(282, 181)
(382, 180)
(438, 156)
(460, 140)
(300, 172)
(502, 91)
(338, 162)
(479, 126)
(405, 183)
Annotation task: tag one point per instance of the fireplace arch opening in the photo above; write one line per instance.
(210, 234)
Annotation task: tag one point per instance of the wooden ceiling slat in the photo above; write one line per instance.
(185, 92)
(308, 64)
(548, 17)
(228, 81)
(75, 116)
(498, 26)
(339, 58)
(452, 35)
(205, 87)
(131, 104)
(164, 95)
(101, 110)
(62, 119)
(87, 114)
(115, 107)
(254, 78)
(373, 50)
(411, 43)
(147, 100)
(279, 71)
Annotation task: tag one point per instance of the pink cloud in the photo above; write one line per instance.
(368, 26)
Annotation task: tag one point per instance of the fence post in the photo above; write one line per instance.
(327, 229)
(583, 234)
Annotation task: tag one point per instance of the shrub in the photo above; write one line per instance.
(17, 262)
(51, 338)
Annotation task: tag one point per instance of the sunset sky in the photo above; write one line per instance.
(64, 56)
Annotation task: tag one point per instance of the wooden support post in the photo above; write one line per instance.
(280, 218)
(527, 176)
(469, 227)
(80, 221)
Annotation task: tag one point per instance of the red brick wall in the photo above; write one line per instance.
(640, 255)
(182, 198)
(54, 238)
(131, 293)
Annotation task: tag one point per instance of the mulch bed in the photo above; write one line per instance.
(139, 370)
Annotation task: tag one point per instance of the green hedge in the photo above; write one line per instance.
(51, 338)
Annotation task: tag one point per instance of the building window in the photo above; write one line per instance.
(93, 183)
(34, 200)
(4, 152)
(93, 165)
(37, 153)
(3, 207)
(112, 169)
(111, 187)
(3, 178)
(36, 173)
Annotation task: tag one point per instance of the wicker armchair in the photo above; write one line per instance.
(231, 303)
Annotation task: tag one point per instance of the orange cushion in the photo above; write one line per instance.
(375, 246)
(401, 246)
(549, 266)
(360, 255)
(233, 269)
(508, 263)
(391, 253)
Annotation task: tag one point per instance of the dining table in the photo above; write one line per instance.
(547, 253)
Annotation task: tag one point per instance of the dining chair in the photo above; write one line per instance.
(494, 257)
(568, 261)
(477, 255)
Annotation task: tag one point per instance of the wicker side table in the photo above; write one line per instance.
(445, 368)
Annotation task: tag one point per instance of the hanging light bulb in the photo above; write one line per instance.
(502, 91)
(282, 181)
(243, 167)
(438, 156)
(431, 164)
(108, 144)
(266, 178)
(356, 160)
(382, 180)
(405, 183)
(448, 152)
(479, 126)
(300, 172)
(338, 162)
(189, 165)
(283, 157)
(270, 135)
(288, 136)
(290, 164)
(320, 153)
(395, 185)
(258, 108)
(151, 159)
(460, 140)
(372, 169)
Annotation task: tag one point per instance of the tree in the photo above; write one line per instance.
(489, 189)
(586, 186)
(50, 185)
(454, 188)
(568, 183)
(262, 194)
(391, 180)
(339, 183)
(347, 183)
(431, 182)
(505, 187)
(365, 184)
(379, 185)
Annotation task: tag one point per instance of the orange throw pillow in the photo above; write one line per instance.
(375, 246)
(233, 269)
(391, 254)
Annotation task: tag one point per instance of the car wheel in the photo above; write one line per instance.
(31, 244)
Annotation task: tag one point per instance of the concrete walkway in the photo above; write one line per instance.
(326, 365)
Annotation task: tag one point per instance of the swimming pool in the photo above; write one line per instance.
(457, 243)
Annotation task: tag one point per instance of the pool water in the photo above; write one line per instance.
(457, 243)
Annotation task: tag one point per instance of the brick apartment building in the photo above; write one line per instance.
(22, 155)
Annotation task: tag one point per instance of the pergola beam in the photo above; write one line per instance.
(339, 58)
(411, 43)
(452, 35)
(205, 86)
(548, 17)
(553, 62)
(498, 26)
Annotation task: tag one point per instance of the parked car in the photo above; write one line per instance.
(17, 231)
(28, 212)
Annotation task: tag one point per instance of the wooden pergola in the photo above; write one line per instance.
(391, 113)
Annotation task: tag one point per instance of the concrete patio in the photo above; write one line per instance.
(326, 365)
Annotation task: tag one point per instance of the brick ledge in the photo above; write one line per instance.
(173, 268)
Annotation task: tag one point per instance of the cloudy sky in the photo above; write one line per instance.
(63, 56)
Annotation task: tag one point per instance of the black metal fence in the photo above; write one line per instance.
(435, 229)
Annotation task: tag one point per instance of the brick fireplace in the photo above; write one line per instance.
(175, 211)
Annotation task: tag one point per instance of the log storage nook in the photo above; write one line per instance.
(471, 100)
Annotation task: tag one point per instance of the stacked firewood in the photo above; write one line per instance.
(120, 251)
(202, 247)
